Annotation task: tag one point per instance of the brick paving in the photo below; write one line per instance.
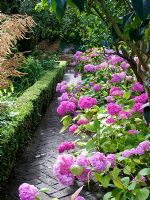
(34, 166)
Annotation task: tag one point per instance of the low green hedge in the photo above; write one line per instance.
(29, 107)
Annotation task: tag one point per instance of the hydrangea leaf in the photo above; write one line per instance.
(76, 170)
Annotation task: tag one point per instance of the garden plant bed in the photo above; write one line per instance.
(29, 108)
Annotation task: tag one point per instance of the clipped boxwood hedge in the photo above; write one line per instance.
(29, 107)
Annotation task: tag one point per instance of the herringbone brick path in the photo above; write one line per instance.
(35, 165)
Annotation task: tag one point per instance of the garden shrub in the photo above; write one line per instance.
(105, 110)
(28, 109)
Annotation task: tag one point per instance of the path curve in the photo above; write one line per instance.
(35, 164)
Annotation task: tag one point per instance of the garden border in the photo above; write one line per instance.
(30, 107)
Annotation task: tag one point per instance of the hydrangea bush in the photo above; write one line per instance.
(105, 111)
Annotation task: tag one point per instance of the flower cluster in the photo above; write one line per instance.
(113, 108)
(143, 98)
(90, 68)
(66, 146)
(97, 87)
(82, 121)
(73, 128)
(64, 164)
(28, 192)
(61, 87)
(139, 150)
(116, 91)
(86, 102)
(66, 107)
(99, 161)
(61, 169)
(137, 87)
(114, 59)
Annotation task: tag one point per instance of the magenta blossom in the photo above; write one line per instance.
(66, 107)
(73, 128)
(143, 98)
(97, 87)
(110, 120)
(99, 161)
(113, 109)
(124, 66)
(137, 107)
(139, 150)
(110, 99)
(86, 102)
(103, 65)
(90, 68)
(111, 159)
(61, 169)
(28, 192)
(61, 87)
(137, 87)
(82, 160)
(124, 114)
(66, 146)
(82, 121)
(116, 91)
(135, 132)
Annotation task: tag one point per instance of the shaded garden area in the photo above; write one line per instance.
(93, 141)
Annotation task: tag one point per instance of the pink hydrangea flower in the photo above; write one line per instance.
(73, 64)
(61, 87)
(113, 109)
(139, 150)
(90, 68)
(77, 55)
(66, 146)
(73, 128)
(110, 99)
(124, 66)
(82, 160)
(28, 192)
(110, 120)
(124, 114)
(61, 169)
(137, 107)
(86, 102)
(135, 132)
(99, 161)
(122, 75)
(143, 98)
(137, 87)
(103, 65)
(116, 91)
(111, 159)
(114, 59)
(63, 97)
(82, 121)
(66, 107)
(115, 78)
(97, 87)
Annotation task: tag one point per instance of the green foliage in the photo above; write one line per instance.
(28, 109)
(32, 70)
(142, 8)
